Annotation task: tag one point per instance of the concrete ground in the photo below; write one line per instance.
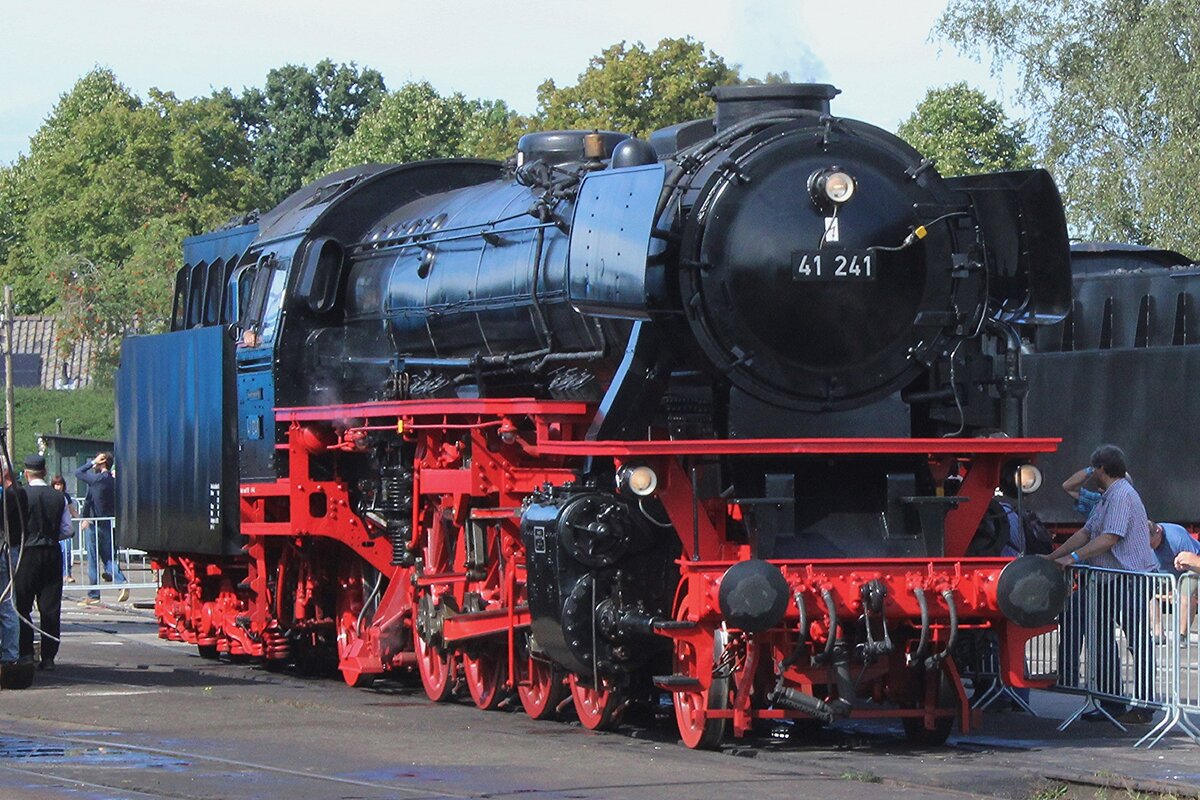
(126, 715)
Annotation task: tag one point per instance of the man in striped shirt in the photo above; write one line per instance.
(1116, 536)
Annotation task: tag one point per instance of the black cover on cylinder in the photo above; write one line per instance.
(1031, 591)
(754, 595)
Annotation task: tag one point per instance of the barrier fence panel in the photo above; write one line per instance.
(1041, 656)
(1121, 644)
(1188, 684)
(978, 659)
(94, 548)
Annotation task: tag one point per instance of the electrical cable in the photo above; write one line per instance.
(830, 224)
(962, 417)
(918, 233)
(646, 514)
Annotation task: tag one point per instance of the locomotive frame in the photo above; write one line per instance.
(222, 607)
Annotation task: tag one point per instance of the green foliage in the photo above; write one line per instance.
(84, 412)
(14, 205)
(965, 133)
(301, 115)
(91, 94)
(635, 90)
(415, 123)
(1115, 90)
(93, 178)
(105, 301)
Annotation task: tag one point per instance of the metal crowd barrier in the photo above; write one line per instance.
(1122, 640)
(1188, 684)
(94, 541)
(1041, 656)
(978, 658)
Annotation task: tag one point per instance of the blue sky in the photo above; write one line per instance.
(878, 53)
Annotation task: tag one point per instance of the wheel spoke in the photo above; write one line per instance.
(543, 689)
(437, 668)
(696, 728)
(484, 676)
(599, 708)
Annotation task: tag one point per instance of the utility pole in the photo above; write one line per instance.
(9, 400)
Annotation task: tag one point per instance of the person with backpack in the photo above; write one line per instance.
(1008, 529)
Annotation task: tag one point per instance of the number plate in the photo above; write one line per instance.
(833, 265)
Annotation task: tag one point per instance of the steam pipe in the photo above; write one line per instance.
(1013, 389)
(831, 611)
(803, 640)
(799, 701)
(923, 604)
(935, 660)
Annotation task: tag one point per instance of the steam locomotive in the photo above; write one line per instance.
(713, 416)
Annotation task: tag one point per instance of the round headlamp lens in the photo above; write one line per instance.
(1029, 478)
(642, 481)
(839, 187)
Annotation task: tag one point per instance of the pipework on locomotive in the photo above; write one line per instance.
(613, 420)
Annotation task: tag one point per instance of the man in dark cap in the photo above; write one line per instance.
(37, 520)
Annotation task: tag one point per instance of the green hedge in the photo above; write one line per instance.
(84, 412)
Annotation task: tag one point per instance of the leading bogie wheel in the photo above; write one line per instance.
(599, 708)
(945, 698)
(543, 689)
(698, 729)
(349, 616)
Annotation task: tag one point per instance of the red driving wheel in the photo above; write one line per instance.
(484, 676)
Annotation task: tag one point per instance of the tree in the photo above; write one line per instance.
(415, 123)
(1115, 90)
(635, 90)
(90, 95)
(91, 181)
(103, 302)
(101, 204)
(966, 133)
(14, 204)
(298, 118)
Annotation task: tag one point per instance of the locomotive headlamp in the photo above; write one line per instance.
(1028, 478)
(641, 480)
(831, 186)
